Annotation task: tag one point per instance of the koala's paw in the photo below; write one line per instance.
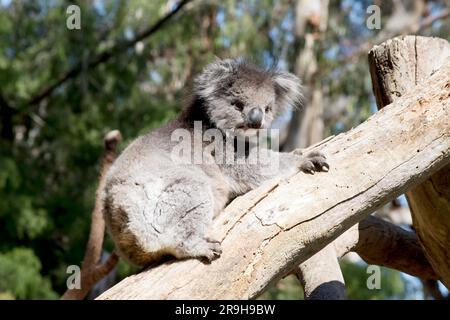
(314, 161)
(211, 249)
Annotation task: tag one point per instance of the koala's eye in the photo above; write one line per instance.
(268, 108)
(238, 104)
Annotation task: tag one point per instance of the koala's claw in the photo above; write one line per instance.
(307, 166)
(314, 161)
(213, 249)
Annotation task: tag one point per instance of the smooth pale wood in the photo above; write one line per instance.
(397, 66)
(269, 231)
(321, 276)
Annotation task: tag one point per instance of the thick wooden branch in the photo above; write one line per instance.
(269, 231)
(91, 269)
(397, 67)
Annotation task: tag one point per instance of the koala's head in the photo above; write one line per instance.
(241, 98)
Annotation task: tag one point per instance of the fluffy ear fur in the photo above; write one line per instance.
(287, 89)
(213, 76)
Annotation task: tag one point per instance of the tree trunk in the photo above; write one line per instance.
(268, 231)
(397, 67)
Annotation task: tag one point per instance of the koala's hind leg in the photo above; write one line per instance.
(187, 208)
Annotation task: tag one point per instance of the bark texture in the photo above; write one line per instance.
(397, 67)
(268, 231)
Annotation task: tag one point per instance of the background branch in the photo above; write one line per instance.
(91, 270)
(105, 55)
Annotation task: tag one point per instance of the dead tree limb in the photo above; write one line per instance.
(268, 231)
(91, 269)
(397, 67)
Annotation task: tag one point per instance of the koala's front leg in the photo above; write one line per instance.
(271, 165)
(311, 162)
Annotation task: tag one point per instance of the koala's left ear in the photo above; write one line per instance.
(213, 76)
(288, 90)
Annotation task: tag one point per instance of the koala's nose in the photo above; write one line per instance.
(255, 117)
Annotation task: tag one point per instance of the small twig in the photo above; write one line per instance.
(91, 270)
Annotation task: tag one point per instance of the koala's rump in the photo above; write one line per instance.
(147, 219)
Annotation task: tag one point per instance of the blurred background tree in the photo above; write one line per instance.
(53, 120)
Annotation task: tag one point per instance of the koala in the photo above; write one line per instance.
(155, 206)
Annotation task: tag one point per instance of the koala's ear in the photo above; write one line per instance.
(213, 75)
(288, 90)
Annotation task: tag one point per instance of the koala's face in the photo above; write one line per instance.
(241, 98)
(243, 105)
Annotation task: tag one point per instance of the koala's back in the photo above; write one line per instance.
(153, 206)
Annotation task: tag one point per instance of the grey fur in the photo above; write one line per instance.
(156, 207)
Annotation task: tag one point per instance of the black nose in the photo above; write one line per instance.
(255, 117)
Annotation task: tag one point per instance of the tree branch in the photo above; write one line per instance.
(397, 67)
(377, 242)
(91, 271)
(321, 276)
(105, 55)
(268, 231)
(392, 76)
(382, 243)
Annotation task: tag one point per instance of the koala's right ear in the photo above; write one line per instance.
(287, 89)
(213, 76)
